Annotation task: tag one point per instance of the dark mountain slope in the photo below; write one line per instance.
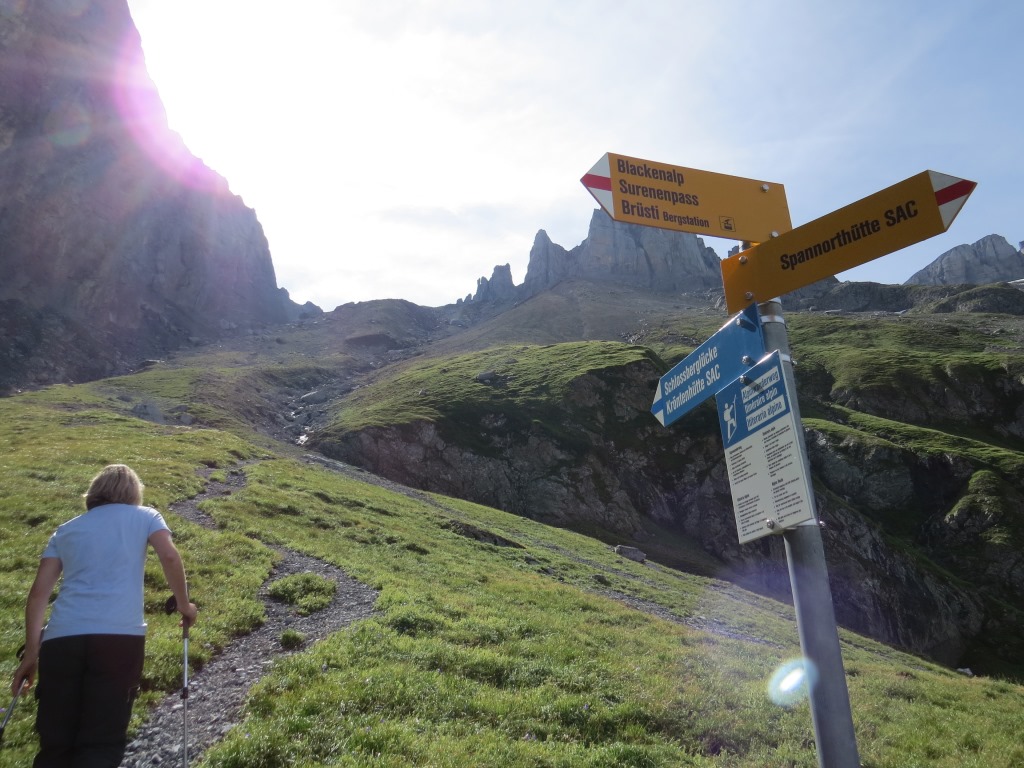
(577, 309)
(116, 243)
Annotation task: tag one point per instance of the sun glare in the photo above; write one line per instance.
(791, 682)
(143, 115)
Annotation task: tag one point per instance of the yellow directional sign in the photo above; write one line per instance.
(688, 200)
(906, 213)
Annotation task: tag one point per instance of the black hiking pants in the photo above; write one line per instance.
(87, 684)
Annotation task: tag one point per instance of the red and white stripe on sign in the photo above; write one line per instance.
(950, 194)
(598, 181)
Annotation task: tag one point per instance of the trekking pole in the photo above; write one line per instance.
(170, 607)
(10, 711)
(14, 701)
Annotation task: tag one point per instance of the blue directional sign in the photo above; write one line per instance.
(721, 359)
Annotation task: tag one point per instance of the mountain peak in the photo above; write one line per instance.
(614, 252)
(990, 260)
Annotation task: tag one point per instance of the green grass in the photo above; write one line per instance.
(51, 444)
(922, 441)
(524, 374)
(503, 656)
(308, 592)
(531, 389)
(290, 639)
(477, 654)
(923, 370)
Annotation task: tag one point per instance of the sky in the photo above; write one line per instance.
(401, 149)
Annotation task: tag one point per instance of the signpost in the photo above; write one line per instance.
(716, 362)
(769, 474)
(687, 200)
(906, 213)
(812, 598)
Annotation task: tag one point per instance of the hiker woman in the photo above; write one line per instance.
(89, 656)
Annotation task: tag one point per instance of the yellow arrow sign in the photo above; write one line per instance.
(688, 200)
(906, 213)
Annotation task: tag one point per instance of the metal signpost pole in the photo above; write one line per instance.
(812, 598)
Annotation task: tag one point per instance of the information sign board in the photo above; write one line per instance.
(770, 488)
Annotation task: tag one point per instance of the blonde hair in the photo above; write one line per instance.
(115, 484)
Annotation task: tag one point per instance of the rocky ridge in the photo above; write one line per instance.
(665, 261)
(657, 260)
(990, 260)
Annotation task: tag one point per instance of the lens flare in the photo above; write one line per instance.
(68, 124)
(143, 116)
(791, 682)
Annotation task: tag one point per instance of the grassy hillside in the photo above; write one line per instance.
(941, 372)
(907, 410)
(526, 654)
(525, 384)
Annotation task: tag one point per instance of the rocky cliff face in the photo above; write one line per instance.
(499, 288)
(990, 260)
(115, 242)
(628, 254)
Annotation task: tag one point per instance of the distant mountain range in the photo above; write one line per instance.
(664, 261)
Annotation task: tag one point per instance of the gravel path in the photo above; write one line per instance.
(217, 692)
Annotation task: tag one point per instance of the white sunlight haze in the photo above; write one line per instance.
(403, 149)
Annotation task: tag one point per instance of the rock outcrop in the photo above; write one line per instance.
(648, 258)
(627, 254)
(111, 231)
(499, 288)
(990, 260)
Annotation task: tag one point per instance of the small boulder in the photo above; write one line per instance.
(630, 553)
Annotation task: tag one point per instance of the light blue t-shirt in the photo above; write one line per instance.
(103, 556)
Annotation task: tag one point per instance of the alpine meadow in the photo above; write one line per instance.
(497, 639)
(463, 535)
